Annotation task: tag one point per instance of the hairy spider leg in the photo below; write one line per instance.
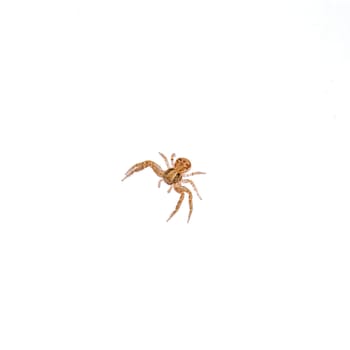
(182, 190)
(195, 173)
(166, 159)
(193, 185)
(140, 166)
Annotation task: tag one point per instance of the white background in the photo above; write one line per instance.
(255, 93)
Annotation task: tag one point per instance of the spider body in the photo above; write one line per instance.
(173, 176)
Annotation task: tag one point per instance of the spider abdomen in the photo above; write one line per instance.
(172, 176)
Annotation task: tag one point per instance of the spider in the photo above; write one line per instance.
(173, 176)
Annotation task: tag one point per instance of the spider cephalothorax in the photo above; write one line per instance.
(173, 177)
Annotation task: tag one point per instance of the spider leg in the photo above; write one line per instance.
(140, 166)
(178, 205)
(195, 173)
(182, 190)
(193, 185)
(172, 159)
(170, 187)
(166, 159)
(160, 181)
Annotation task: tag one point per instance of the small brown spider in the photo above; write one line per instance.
(173, 177)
